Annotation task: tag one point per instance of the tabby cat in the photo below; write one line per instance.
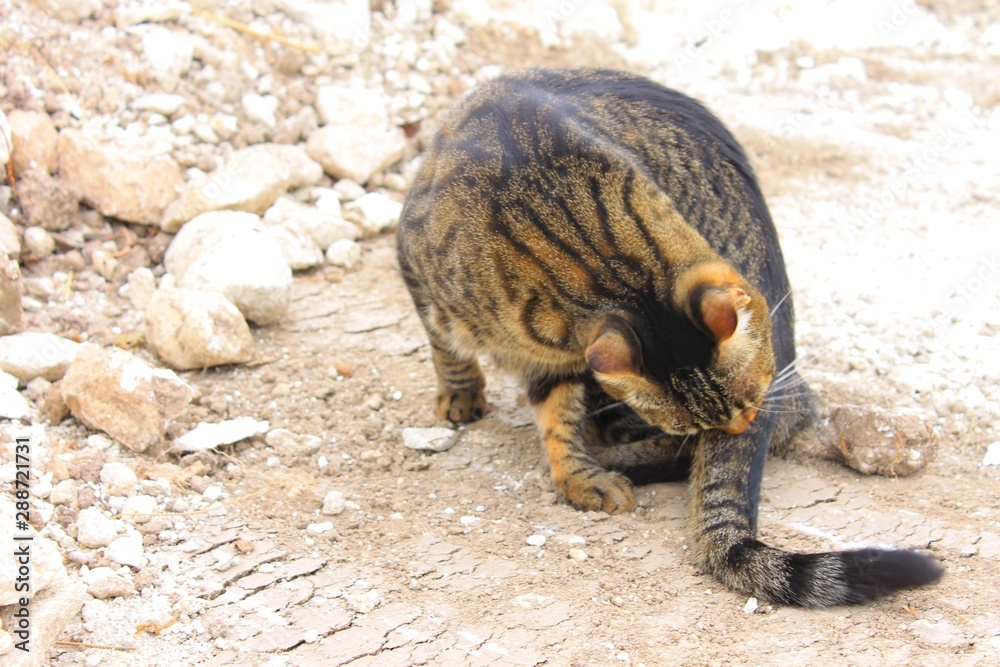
(605, 239)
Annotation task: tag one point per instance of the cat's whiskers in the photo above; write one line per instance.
(611, 406)
(778, 305)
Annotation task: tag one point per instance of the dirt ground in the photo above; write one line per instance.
(884, 186)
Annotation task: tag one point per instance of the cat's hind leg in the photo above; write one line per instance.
(461, 384)
(560, 409)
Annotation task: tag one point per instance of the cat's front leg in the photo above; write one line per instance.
(461, 385)
(560, 408)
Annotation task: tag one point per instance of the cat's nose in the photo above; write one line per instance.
(739, 423)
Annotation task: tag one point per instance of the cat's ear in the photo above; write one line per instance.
(719, 308)
(709, 292)
(614, 348)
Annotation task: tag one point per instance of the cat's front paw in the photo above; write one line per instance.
(461, 406)
(606, 491)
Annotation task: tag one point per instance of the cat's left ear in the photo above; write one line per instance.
(614, 348)
(710, 293)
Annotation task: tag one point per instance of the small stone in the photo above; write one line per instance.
(357, 152)
(334, 503)
(375, 402)
(131, 180)
(212, 493)
(34, 139)
(228, 252)
(536, 540)
(349, 190)
(168, 53)
(94, 529)
(344, 253)
(139, 509)
(374, 213)
(139, 287)
(38, 388)
(320, 528)
(116, 392)
(873, 440)
(750, 606)
(322, 222)
(208, 436)
(10, 237)
(433, 439)
(38, 243)
(127, 550)
(260, 108)
(118, 479)
(12, 404)
(11, 306)
(64, 493)
(161, 103)
(284, 441)
(54, 406)
(160, 12)
(992, 457)
(104, 583)
(938, 633)
(578, 554)
(340, 105)
(195, 329)
(363, 602)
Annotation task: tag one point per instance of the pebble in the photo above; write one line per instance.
(578, 554)
(285, 441)
(434, 439)
(94, 529)
(750, 606)
(150, 13)
(212, 493)
(168, 53)
(197, 329)
(104, 583)
(161, 103)
(118, 478)
(344, 253)
(260, 108)
(228, 252)
(32, 355)
(322, 222)
(342, 105)
(34, 140)
(139, 287)
(334, 503)
(38, 243)
(349, 190)
(536, 540)
(320, 528)
(138, 509)
(114, 391)
(12, 404)
(374, 213)
(127, 550)
(363, 602)
(208, 436)
(64, 493)
(992, 457)
(357, 152)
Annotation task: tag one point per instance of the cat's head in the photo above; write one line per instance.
(720, 362)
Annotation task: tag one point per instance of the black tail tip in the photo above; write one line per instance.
(872, 573)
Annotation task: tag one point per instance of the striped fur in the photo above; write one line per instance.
(605, 239)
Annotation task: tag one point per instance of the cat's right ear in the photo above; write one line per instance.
(614, 349)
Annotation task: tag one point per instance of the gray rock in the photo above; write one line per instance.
(94, 529)
(208, 436)
(195, 329)
(116, 392)
(250, 180)
(342, 105)
(127, 550)
(12, 404)
(130, 180)
(10, 237)
(429, 439)
(228, 252)
(374, 213)
(118, 479)
(34, 140)
(104, 583)
(31, 354)
(334, 503)
(38, 243)
(344, 253)
(357, 152)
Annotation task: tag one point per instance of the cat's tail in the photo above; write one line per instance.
(725, 486)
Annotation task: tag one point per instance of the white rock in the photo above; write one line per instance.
(212, 493)
(287, 442)
(152, 13)
(139, 287)
(343, 27)
(196, 329)
(10, 237)
(298, 248)
(750, 606)
(38, 243)
(12, 404)
(357, 152)
(206, 436)
(334, 503)
(228, 252)
(322, 222)
(94, 529)
(118, 479)
(320, 528)
(344, 253)
(349, 190)
(473, 13)
(578, 554)
(34, 141)
(37, 388)
(138, 509)
(71, 11)
(251, 180)
(46, 561)
(114, 391)
(64, 493)
(260, 108)
(31, 354)
(168, 53)
(103, 583)
(127, 550)
(536, 540)
(374, 213)
(363, 602)
(162, 103)
(342, 105)
(992, 457)
(429, 439)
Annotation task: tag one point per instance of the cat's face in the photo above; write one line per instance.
(726, 393)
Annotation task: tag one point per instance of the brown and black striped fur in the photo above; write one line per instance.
(605, 239)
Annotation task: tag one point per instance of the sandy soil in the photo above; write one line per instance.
(887, 229)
